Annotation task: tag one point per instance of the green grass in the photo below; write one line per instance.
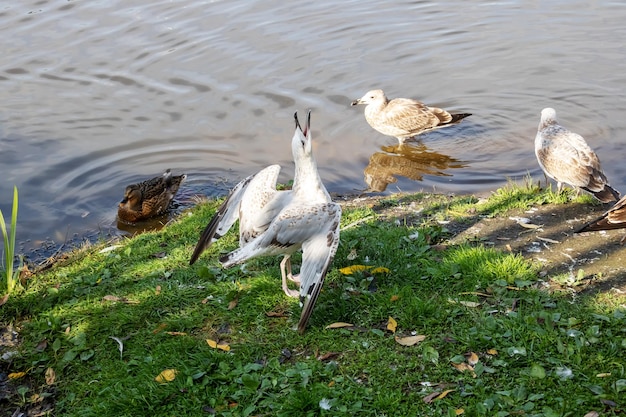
(538, 353)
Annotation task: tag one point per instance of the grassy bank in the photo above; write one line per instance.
(423, 327)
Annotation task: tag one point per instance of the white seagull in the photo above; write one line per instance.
(281, 222)
(404, 118)
(565, 157)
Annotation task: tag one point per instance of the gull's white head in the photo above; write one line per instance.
(548, 115)
(373, 96)
(301, 144)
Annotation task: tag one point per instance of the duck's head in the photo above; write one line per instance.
(132, 198)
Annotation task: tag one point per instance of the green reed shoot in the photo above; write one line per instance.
(9, 245)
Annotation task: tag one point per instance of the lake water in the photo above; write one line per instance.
(100, 94)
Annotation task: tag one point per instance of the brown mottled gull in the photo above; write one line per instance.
(565, 157)
(614, 218)
(282, 222)
(404, 118)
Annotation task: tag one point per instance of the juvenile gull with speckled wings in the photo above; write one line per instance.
(404, 118)
(282, 222)
(565, 157)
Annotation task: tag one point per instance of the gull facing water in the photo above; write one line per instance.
(281, 222)
(404, 118)
(565, 157)
(614, 218)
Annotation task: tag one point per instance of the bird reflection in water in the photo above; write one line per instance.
(412, 161)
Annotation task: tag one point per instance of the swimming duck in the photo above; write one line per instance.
(565, 157)
(149, 198)
(404, 118)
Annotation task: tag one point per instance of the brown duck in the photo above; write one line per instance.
(149, 198)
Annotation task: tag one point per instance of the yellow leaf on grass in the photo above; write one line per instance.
(473, 359)
(603, 375)
(380, 269)
(392, 324)
(493, 352)
(339, 325)
(349, 270)
(157, 291)
(459, 411)
(443, 394)
(394, 298)
(167, 375)
(410, 340)
(50, 376)
(462, 367)
(177, 333)
(16, 375)
(216, 345)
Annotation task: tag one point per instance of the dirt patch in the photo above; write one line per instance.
(585, 262)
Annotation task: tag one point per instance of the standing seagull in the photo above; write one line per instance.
(304, 217)
(614, 218)
(404, 118)
(565, 157)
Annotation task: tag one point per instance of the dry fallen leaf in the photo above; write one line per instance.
(392, 324)
(177, 333)
(492, 352)
(167, 375)
(233, 303)
(472, 359)
(462, 367)
(16, 375)
(328, 355)
(472, 304)
(592, 414)
(459, 411)
(410, 340)
(430, 397)
(349, 270)
(394, 298)
(50, 376)
(216, 345)
(603, 375)
(111, 298)
(158, 290)
(160, 328)
(443, 394)
(276, 314)
(4, 299)
(352, 255)
(339, 325)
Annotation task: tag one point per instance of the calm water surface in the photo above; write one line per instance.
(100, 94)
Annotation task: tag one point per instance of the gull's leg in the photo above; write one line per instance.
(287, 262)
(290, 276)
